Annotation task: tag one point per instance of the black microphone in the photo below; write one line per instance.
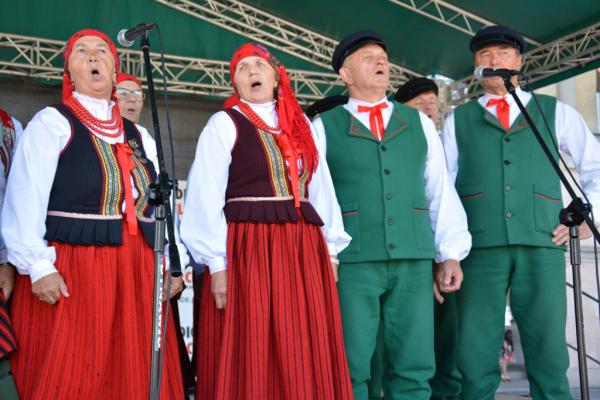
(126, 37)
(484, 73)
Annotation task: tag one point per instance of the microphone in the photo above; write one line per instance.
(126, 37)
(484, 73)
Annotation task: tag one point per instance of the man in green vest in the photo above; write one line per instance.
(422, 93)
(400, 208)
(512, 197)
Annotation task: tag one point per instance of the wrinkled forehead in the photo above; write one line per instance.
(368, 50)
(495, 47)
(251, 60)
(90, 41)
(130, 85)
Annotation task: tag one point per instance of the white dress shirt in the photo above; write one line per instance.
(18, 132)
(572, 134)
(204, 227)
(30, 182)
(447, 216)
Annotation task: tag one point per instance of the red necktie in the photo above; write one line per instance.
(502, 111)
(126, 164)
(375, 119)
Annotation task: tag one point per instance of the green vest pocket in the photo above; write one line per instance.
(351, 215)
(548, 204)
(474, 202)
(422, 226)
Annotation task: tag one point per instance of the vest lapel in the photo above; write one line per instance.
(491, 118)
(519, 124)
(396, 125)
(358, 129)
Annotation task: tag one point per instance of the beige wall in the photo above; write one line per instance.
(579, 92)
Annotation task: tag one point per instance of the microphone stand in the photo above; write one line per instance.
(159, 197)
(572, 216)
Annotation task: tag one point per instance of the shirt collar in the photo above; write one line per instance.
(354, 103)
(509, 99)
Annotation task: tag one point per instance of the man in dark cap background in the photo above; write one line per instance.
(422, 94)
(512, 198)
(387, 165)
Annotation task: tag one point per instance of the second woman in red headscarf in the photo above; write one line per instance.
(270, 324)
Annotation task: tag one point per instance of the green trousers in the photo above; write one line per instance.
(8, 390)
(445, 385)
(536, 278)
(396, 295)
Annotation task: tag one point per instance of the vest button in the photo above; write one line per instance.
(383, 148)
(391, 246)
(390, 221)
(507, 139)
(388, 196)
(386, 171)
(508, 188)
(506, 162)
(508, 214)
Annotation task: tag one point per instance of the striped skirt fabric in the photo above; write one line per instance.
(280, 335)
(7, 337)
(96, 343)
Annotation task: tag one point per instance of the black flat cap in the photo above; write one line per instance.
(413, 88)
(497, 34)
(325, 104)
(351, 43)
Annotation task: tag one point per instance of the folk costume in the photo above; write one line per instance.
(402, 212)
(84, 175)
(10, 131)
(256, 193)
(512, 198)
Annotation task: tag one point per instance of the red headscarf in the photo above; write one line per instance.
(292, 121)
(122, 77)
(67, 83)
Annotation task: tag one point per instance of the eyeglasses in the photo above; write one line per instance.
(123, 94)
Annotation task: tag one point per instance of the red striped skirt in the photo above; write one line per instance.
(280, 335)
(95, 344)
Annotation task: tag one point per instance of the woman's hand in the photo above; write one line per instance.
(7, 279)
(175, 288)
(218, 287)
(50, 288)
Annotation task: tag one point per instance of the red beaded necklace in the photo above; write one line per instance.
(256, 119)
(96, 125)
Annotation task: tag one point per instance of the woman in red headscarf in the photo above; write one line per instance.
(270, 324)
(76, 220)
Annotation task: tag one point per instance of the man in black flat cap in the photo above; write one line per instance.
(422, 94)
(325, 104)
(400, 208)
(512, 198)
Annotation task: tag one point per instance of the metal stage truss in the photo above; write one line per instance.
(42, 59)
(570, 51)
(273, 32)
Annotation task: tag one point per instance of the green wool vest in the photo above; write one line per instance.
(507, 186)
(380, 185)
